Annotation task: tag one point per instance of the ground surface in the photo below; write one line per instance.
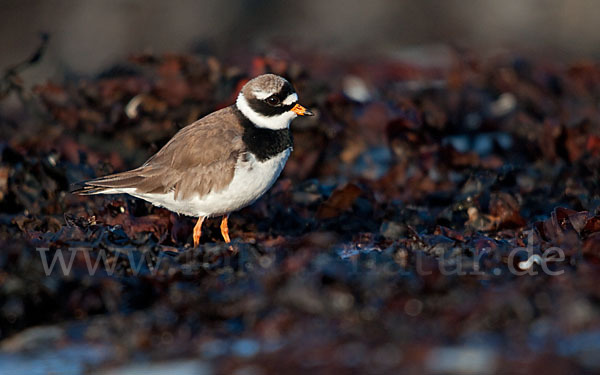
(409, 232)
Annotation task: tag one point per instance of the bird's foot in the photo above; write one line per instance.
(198, 231)
(225, 233)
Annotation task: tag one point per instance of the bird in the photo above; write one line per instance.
(220, 163)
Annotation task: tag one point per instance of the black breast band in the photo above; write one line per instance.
(264, 143)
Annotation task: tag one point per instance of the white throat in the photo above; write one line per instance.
(281, 121)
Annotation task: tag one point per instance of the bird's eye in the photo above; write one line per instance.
(273, 100)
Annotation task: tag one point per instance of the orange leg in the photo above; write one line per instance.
(225, 229)
(198, 231)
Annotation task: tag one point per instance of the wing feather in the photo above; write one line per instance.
(199, 159)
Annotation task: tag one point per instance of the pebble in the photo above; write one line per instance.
(462, 360)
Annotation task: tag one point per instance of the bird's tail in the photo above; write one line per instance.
(110, 184)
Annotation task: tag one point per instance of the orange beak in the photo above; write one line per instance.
(301, 111)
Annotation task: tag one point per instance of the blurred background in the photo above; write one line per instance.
(448, 134)
(88, 36)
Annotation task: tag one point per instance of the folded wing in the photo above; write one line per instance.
(199, 159)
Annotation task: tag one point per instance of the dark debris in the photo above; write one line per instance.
(387, 246)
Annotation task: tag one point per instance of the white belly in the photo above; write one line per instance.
(251, 180)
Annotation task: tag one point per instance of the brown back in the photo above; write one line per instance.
(199, 159)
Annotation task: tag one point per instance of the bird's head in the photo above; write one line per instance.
(270, 101)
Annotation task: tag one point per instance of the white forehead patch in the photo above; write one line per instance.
(291, 98)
